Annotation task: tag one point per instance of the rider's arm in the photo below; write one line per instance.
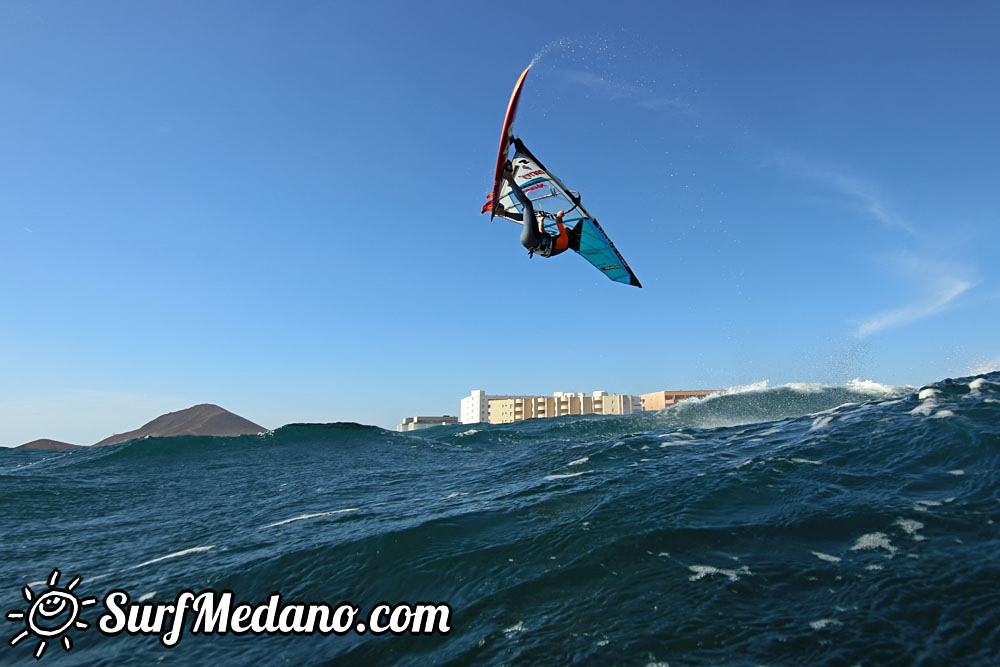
(559, 224)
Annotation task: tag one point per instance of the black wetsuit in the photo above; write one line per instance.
(535, 241)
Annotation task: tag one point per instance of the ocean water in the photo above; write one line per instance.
(770, 525)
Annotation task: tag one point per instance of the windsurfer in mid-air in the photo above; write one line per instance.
(573, 228)
(536, 239)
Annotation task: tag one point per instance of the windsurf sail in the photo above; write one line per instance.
(548, 193)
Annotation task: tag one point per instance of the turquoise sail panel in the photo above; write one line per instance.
(596, 248)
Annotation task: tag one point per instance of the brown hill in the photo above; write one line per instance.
(45, 443)
(204, 419)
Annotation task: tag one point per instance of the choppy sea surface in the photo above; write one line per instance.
(789, 525)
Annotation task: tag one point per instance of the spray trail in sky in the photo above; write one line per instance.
(561, 43)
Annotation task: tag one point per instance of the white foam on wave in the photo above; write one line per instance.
(471, 431)
(873, 541)
(514, 629)
(806, 387)
(579, 461)
(820, 422)
(678, 436)
(674, 444)
(311, 516)
(976, 391)
(873, 388)
(147, 596)
(567, 475)
(857, 385)
(956, 472)
(760, 385)
(836, 409)
(942, 414)
(928, 402)
(827, 557)
(176, 554)
(824, 623)
(809, 461)
(702, 571)
(910, 527)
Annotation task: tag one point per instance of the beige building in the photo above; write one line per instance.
(661, 399)
(504, 410)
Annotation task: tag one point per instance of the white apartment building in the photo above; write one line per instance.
(476, 406)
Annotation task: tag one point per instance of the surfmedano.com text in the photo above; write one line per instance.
(215, 614)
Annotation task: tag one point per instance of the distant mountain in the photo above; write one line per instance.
(45, 443)
(204, 419)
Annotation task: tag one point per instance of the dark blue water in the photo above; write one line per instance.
(788, 525)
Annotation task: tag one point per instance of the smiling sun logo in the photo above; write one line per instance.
(51, 614)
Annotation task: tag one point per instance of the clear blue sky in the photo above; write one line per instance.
(275, 206)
